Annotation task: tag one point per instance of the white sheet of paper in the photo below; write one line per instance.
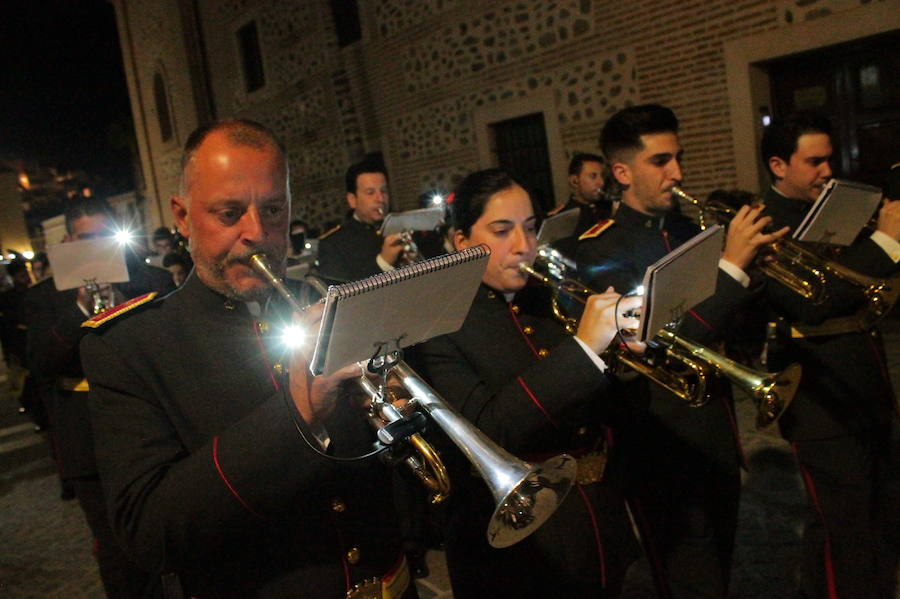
(680, 280)
(423, 219)
(74, 263)
(411, 310)
(839, 213)
(558, 226)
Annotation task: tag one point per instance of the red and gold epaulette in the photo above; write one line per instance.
(104, 317)
(333, 229)
(594, 231)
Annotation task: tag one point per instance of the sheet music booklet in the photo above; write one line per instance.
(423, 219)
(396, 309)
(101, 259)
(680, 280)
(839, 213)
(559, 226)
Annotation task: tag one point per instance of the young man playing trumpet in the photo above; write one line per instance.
(684, 466)
(211, 455)
(842, 421)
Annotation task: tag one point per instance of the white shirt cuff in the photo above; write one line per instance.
(890, 245)
(383, 264)
(735, 272)
(598, 362)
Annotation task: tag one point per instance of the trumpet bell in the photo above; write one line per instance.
(531, 500)
(525, 494)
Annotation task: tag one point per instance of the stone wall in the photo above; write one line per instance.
(412, 87)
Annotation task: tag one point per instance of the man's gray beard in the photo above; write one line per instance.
(220, 283)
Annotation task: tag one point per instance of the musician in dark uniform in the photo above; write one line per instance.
(586, 180)
(516, 375)
(355, 249)
(215, 463)
(684, 461)
(54, 331)
(841, 421)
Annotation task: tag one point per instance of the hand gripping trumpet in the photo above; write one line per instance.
(525, 494)
(685, 366)
(805, 272)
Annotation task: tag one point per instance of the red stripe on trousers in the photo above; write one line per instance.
(811, 489)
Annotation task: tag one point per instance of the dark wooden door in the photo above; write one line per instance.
(521, 145)
(856, 85)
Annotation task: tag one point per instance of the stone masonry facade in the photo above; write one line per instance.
(410, 88)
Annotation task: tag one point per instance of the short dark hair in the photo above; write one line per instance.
(369, 165)
(622, 132)
(472, 195)
(240, 132)
(86, 206)
(15, 267)
(161, 233)
(578, 160)
(780, 137)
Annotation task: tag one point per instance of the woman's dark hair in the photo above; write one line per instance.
(473, 193)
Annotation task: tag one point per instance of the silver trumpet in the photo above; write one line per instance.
(525, 494)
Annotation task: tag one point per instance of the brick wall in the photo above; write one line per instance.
(412, 86)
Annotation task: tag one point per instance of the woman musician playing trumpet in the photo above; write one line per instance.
(516, 375)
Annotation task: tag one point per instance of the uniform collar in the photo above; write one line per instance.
(793, 205)
(352, 221)
(627, 215)
(210, 302)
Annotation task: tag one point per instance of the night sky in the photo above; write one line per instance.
(63, 96)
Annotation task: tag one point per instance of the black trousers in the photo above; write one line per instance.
(850, 544)
(684, 492)
(121, 578)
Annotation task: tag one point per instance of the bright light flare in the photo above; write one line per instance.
(638, 291)
(293, 336)
(28, 254)
(438, 200)
(124, 236)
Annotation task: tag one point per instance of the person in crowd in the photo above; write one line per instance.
(178, 265)
(843, 418)
(684, 480)
(163, 241)
(586, 182)
(514, 372)
(220, 459)
(13, 337)
(40, 267)
(355, 249)
(54, 321)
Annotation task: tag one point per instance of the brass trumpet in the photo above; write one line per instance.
(687, 366)
(525, 494)
(805, 272)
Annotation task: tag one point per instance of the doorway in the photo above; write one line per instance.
(855, 85)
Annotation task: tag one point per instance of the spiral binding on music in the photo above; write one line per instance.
(412, 271)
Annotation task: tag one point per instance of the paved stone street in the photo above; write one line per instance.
(45, 545)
